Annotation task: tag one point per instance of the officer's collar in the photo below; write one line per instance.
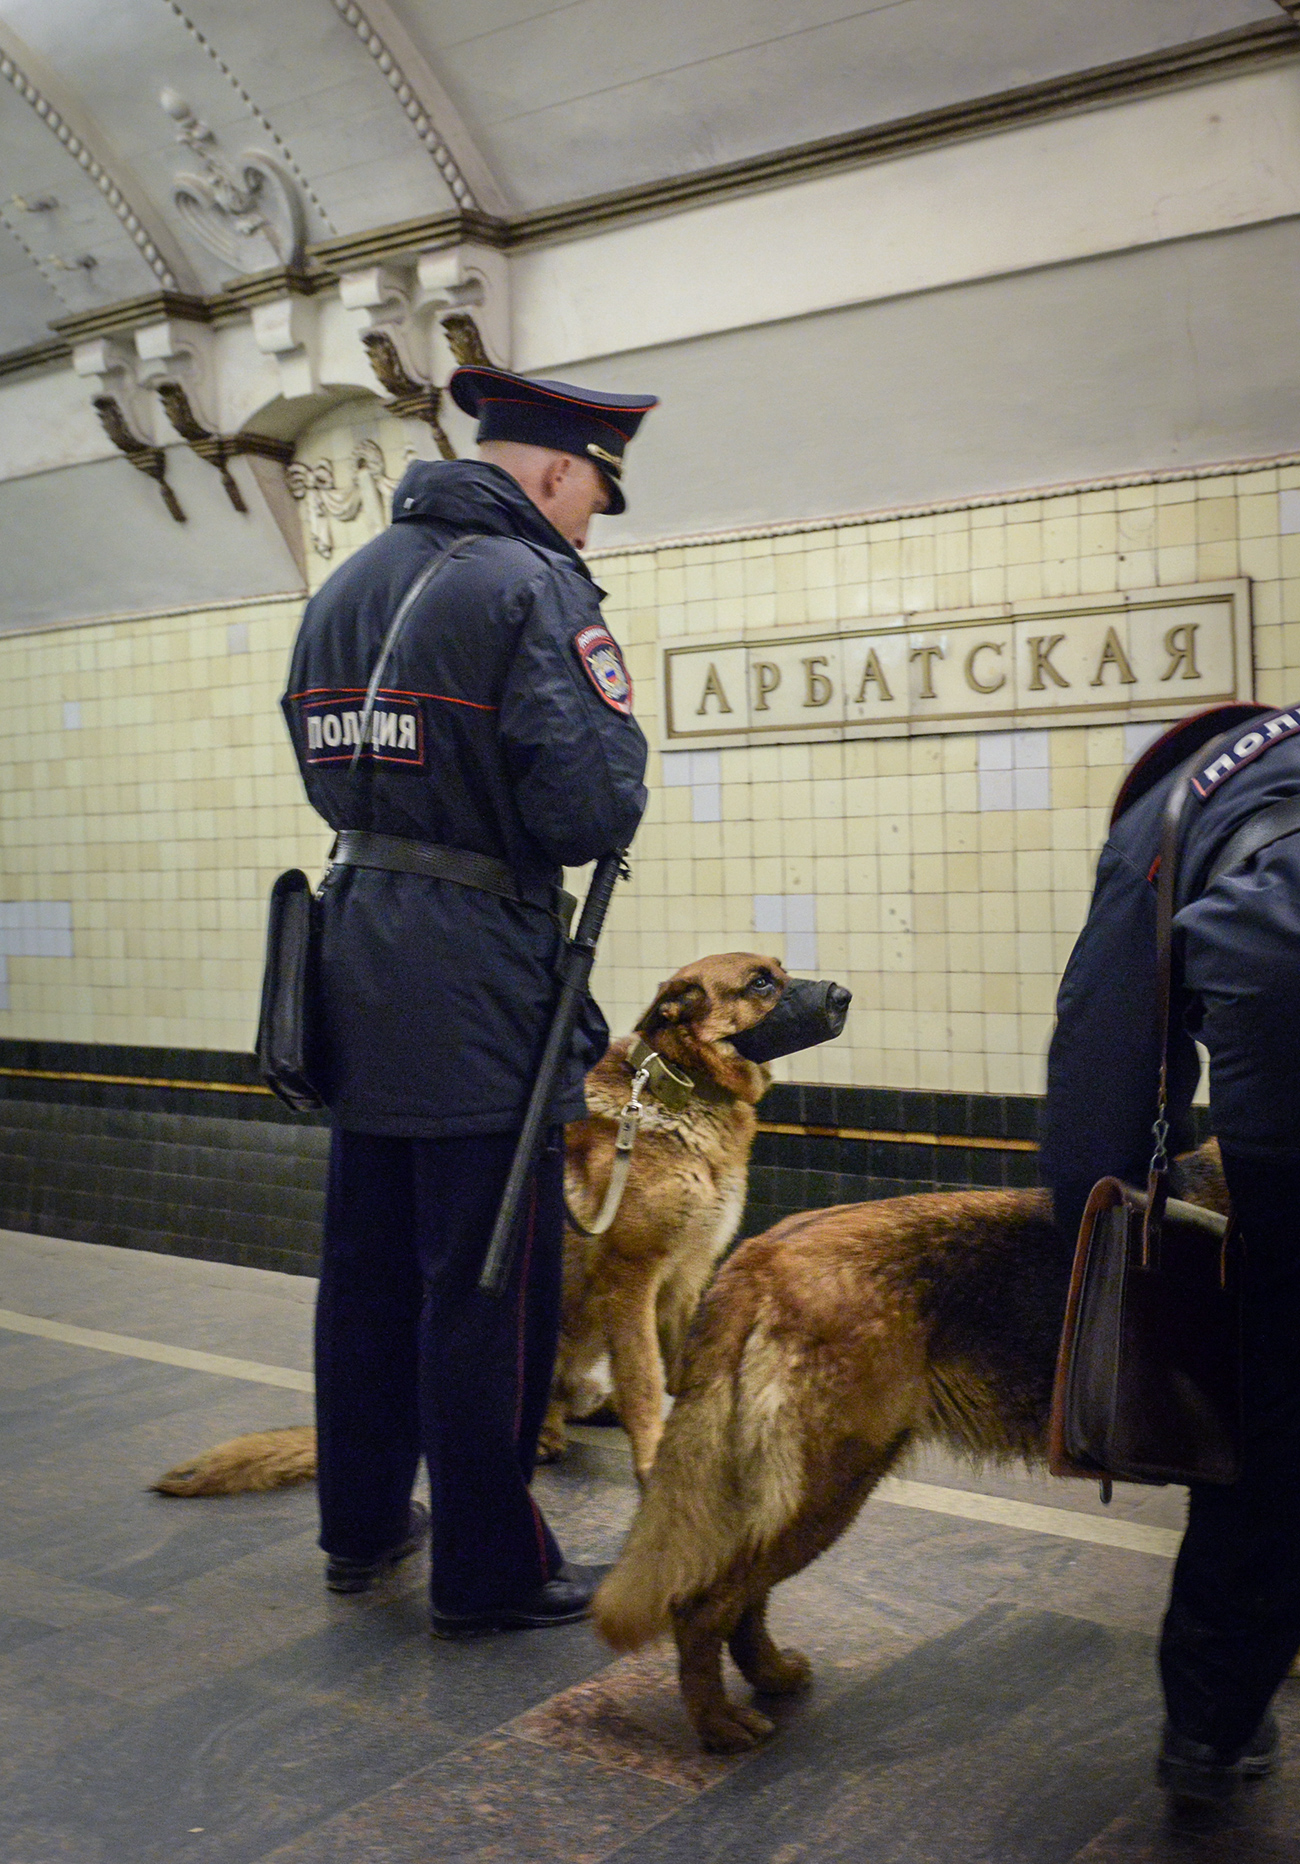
(669, 1085)
(480, 496)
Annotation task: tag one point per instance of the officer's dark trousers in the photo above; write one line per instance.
(411, 1359)
(1233, 1623)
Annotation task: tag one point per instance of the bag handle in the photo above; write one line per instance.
(415, 589)
(1171, 843)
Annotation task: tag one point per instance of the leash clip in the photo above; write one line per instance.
(630, 1118)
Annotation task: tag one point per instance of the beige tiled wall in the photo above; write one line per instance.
(147, 781)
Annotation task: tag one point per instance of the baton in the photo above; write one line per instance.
(575, 972)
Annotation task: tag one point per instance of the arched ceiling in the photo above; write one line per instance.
(373, 112)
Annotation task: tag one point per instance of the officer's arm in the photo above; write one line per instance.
(1104, 1060)
(576, 759)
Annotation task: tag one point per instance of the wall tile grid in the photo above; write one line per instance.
(159, 810)
(147, 782)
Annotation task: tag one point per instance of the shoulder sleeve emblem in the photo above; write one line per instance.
(602, 662)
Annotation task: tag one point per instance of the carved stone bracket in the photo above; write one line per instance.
(418, 323)
(218, 449)
(413, 399)
(146, 459)
(285, 329)
(125, 411)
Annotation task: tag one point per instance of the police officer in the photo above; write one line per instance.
(1233, 1623)
(494, 744)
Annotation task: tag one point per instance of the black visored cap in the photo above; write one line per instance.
(595, 426)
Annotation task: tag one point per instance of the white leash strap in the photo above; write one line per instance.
(629, 1122)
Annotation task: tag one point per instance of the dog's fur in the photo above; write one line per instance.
(821, 1351)
(633, 1292)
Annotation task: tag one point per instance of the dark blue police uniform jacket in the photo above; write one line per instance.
(504, 727)
(1237, 975)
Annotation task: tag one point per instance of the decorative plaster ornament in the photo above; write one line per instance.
(327, 503)
(411, 398)
(247, 213)
(465, 340)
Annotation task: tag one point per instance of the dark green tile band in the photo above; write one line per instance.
(183, 1151)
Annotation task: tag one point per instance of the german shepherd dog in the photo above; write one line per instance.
(822, 1350)
(632, 1292)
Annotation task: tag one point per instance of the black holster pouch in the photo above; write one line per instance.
(288, 1028)
(810, 1011)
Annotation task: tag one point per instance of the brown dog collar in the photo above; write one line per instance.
(669, 1085)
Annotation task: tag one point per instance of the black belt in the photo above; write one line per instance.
(397, 854)
(1257, 833)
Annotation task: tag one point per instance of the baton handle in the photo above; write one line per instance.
(579, 956)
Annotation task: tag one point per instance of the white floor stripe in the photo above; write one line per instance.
(997, 1510)
(122, 1343)
(1000, 1511)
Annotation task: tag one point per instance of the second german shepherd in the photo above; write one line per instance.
(823, 1349)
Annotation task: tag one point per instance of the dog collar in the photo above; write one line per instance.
(668, 1084)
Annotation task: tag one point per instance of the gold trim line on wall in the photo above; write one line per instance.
(1147, 654)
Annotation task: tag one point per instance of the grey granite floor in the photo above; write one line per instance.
(175, 1684)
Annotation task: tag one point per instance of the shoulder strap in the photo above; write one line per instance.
(415, 590)
(1171, 843)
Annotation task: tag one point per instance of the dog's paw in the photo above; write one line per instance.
(551, 1444)
(732, 1729)
(783, 1673)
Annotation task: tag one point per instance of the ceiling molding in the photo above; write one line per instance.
(1202, 61)
(431, 113)
(23, 70)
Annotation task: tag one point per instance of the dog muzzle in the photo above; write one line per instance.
(809, 1012)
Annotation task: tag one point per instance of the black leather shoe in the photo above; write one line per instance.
(1194, 1771)
(346, 1575)
(563, 1600)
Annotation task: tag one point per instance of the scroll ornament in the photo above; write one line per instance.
(246, 212)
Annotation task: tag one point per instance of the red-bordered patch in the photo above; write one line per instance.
(331, 722)
(603, 664)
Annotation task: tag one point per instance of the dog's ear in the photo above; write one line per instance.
(680, 1000)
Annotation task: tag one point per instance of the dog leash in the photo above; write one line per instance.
(667, 1085)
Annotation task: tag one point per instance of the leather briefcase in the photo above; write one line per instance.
(1148, 1376)
(1148, 1380)
(288, 1037)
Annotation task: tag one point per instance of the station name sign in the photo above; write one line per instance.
(1088, 660)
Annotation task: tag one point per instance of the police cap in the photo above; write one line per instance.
(1174, 746)
(595, 426)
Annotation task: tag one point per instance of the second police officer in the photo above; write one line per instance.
(496, 746)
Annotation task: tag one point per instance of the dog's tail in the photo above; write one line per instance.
(728, 1477)
(268, 1459)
